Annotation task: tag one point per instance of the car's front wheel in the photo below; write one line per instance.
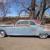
(43, 36)
(2, 34)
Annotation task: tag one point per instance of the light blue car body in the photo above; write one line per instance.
(22, 30)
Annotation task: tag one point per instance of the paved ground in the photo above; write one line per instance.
(24, 43)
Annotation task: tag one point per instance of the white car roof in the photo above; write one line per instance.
(32, 21)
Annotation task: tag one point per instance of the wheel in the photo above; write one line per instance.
(43, 36)
(2, 34)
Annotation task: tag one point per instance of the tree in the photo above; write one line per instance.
(45, 4)
(32, 9)
(4, 8)
(42, 8)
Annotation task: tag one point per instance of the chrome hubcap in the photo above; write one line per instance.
(43, 36)
(1, 34)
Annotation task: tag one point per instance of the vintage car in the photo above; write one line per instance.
(23, 28)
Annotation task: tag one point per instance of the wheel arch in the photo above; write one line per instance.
(4, 32)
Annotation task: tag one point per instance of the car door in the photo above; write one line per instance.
(27, 28)
(34, 27)
(23, 28)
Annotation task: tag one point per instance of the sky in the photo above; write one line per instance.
(47, 13)
(15, 9)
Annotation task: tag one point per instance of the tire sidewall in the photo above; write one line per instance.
(43, 36)
(2, 33)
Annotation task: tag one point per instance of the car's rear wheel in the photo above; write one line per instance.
(43, 36)
(2, 34)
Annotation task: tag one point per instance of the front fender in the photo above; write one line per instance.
(40, 30)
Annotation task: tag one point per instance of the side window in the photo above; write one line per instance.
(20, 22)
(26, 22)
(32, 23)
(23, 22)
